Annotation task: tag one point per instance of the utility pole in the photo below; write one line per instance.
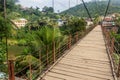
(69, 4)
(5, 9)
(9, 62)
(53, 5)
(76, 2)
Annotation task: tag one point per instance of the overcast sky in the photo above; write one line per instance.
(59, 4)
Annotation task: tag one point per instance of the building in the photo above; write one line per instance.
(61, 22)
(20, 22)
(89, 23)
(108, 22)
(3, 76)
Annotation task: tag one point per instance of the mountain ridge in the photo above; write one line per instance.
(94, 7)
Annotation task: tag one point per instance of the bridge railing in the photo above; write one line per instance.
(113, 48)
(34, 69)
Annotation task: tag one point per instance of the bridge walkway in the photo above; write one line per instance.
(88, 60)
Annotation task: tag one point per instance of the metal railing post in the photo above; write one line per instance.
(112, 46)
(30, 74)
(69, 42)
(54, 53)
(11, 69)
(40, 58)
(118, 71)
(76, 36)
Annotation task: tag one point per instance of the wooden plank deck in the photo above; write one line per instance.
(88, 60)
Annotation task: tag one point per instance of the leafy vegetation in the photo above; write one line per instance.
(73, 25)
(3, 57)
(40, 37)
(116, 36)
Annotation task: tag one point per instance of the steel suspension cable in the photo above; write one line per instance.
(87, 10)
(107, 9)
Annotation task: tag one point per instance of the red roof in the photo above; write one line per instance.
(108, 19)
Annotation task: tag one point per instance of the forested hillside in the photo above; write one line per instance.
(16, 11)
(94, 7)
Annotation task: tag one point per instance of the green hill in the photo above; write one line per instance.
(97, 7)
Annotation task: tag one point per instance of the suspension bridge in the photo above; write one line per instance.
(87, 60)
(91, 57)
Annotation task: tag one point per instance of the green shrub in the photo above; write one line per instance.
(22, 42)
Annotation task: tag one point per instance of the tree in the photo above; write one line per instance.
(8, 5)
(74, 25)
(48, 36)
(47, 9)
(44, 38)
(5, 27)
(57, 38)
(3, 59)
(28, 56)
(31, 61)
(1, 7)
(97, 19)
(13, 15)
(118, 21)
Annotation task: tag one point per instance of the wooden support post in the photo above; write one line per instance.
(112, 46)
(118, 71)
(76, 36)
(106, 36)
(69, 42)
(54, 52)
(108, 39)
(104, 30)
(47, 60)
(30, 68)
(11, 69)
(58, 49)
(40, 58)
